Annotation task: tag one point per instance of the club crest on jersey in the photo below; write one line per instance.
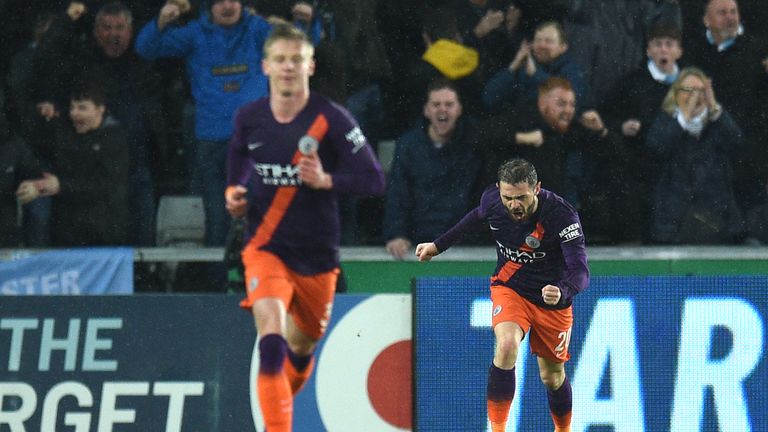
(496, 310)
(532, 242)
(253, 283)
(308, 144)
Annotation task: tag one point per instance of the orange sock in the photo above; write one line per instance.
(561, 406)
(498, 411)
(498, 427)
(276, 401)
(295, 378)
(500, 392)
(562, 423)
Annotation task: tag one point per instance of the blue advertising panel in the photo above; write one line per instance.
(124, 363)
(69, 271)
(653, 353)
(179, 363)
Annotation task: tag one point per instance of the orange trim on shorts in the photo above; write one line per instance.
(308, 298)
(510, 268)
(548, 330)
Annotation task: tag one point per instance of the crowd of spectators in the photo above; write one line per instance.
(649, 116)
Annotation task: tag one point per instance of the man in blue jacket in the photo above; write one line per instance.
(222, 49)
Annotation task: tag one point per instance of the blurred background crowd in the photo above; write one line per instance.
(649, 116)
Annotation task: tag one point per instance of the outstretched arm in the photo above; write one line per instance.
(425, 251)
(471, 221)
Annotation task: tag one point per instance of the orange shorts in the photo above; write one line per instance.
(550, 330)
(308, 299)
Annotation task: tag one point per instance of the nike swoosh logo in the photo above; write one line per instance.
(493, 228)
(254, 146)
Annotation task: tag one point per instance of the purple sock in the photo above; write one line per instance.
(298, 361)
(501, 383)
(560, 402)
(272, 352)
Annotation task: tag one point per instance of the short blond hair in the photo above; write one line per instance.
(286, 31)
(669, 105)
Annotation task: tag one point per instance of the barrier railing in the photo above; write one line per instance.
(372, 270)
(464, 254)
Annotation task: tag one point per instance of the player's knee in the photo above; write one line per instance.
(299, 342)
(272, 352)
(302, 349)
(506, 348)
(552, 379)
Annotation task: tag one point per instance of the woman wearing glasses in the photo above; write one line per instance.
(695, 141)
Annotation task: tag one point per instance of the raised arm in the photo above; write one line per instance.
(162, 38)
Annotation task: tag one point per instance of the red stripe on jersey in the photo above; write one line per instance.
(285, 194)
(510, 267)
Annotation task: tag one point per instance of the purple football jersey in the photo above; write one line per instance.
(547, 249)
(297, 223)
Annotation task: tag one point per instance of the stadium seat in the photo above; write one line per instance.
(386, 154)
(180, 221)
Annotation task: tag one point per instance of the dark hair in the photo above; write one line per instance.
(285, 31)
(114, 8)
(278, 8)
(43, 22)
(441, 83)
(514, 171)
(558, 28)
(88, 91)
(665, 31)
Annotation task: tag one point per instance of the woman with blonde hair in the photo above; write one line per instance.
(695, 140)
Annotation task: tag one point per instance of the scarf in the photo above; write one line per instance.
(660, 76)
(695, 125)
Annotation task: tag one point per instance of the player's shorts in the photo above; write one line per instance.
(308, 299)
(549, 330)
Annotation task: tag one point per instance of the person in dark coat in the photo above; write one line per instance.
(91, 160)
(543, 132)
(575, 155)
(132, 86)
(545, 57)
(693, 201)
(435, 173)
(630, 108)
(734, 56)
(22, 181)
